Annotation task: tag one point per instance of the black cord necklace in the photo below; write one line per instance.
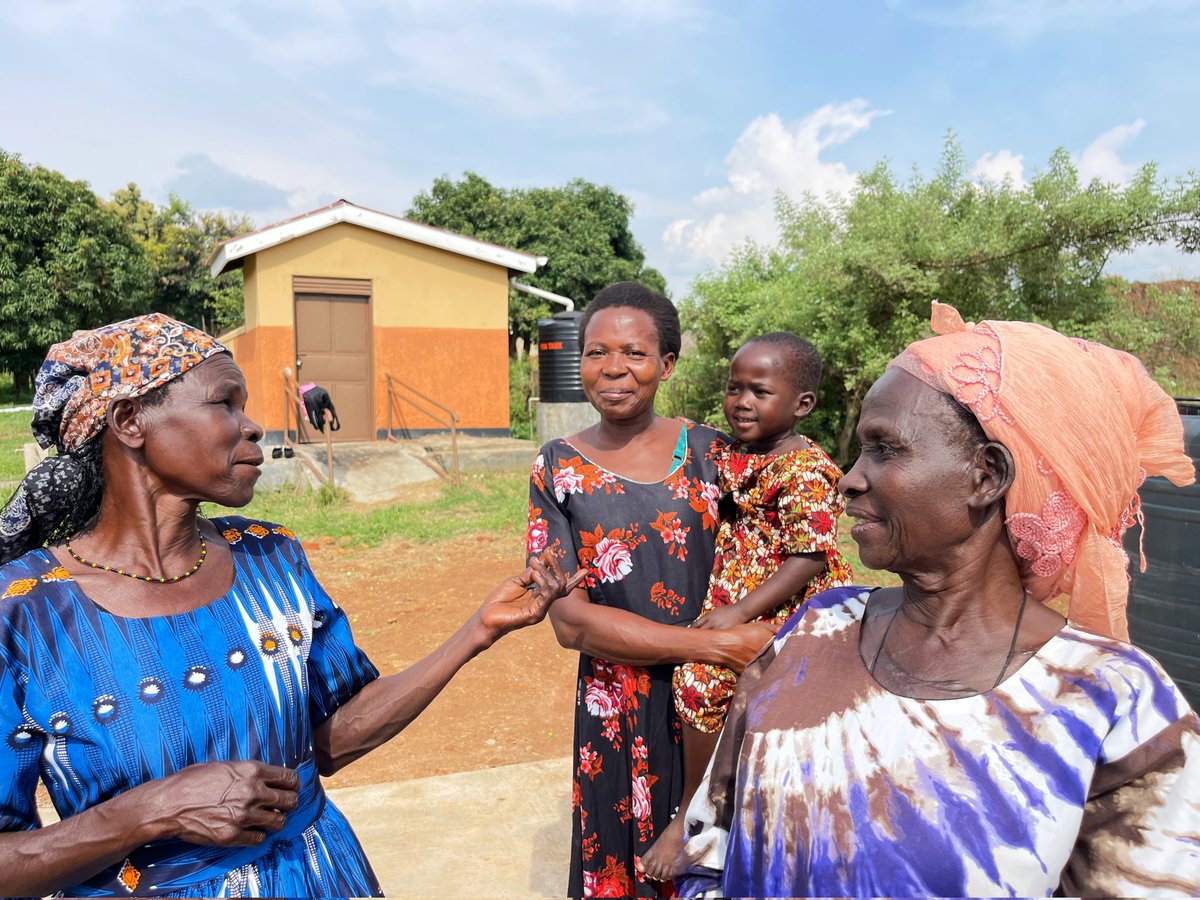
(148, 578)
(1012, 647)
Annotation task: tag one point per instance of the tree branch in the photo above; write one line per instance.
(1170, 221)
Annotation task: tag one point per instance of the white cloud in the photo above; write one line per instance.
(688, 13)
(209, 185)
(1000, 166)
(554, 68)
(278, 146)
(48, 18)
(294, 37)
(531, 60)
(1155, 262)
(769, 157)
(1026, 19)
(489, 73)
(1101, 159)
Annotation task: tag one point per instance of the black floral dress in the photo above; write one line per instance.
(649, 550)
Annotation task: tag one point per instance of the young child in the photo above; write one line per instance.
(777, 549)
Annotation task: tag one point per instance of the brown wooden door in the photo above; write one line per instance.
(333, 349)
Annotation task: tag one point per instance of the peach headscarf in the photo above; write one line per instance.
(1085, 425)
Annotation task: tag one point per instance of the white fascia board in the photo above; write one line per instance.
(237, 248)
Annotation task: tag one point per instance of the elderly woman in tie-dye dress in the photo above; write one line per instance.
(180, 684)
(955, 736)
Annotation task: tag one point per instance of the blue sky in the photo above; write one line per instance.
(698, 111)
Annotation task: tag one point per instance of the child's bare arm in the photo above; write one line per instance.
(789, 579)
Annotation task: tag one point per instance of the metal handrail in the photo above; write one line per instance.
(293, 402)
(450, 422)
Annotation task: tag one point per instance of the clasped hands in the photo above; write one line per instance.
(524, 599)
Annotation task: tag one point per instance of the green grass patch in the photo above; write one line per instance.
(483, 503)
(14, 435)
(8, 397)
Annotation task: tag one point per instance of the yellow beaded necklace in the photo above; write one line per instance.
(192, 571)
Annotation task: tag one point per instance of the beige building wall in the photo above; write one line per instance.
(414, 286)
(439, 321)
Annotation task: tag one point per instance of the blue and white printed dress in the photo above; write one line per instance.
(96, 704)
(1080, 770)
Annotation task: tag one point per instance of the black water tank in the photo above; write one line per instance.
(1164, 614)
(558, 359)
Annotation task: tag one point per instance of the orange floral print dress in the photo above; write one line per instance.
(648, 549)
(786, 504)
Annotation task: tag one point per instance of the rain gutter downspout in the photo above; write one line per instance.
(567, 302)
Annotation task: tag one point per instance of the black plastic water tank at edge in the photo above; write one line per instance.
(1164, 601)
(558, 359)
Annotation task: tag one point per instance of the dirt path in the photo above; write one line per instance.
(512, 704)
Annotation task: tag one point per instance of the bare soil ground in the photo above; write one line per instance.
(511, 704)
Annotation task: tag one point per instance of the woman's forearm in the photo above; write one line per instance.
(623, 637)
(386, 706)
(44, 860)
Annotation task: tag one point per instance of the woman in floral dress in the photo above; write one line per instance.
(633, 500)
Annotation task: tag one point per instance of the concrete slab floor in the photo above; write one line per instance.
(500, 832)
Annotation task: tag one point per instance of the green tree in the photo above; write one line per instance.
(581, 228)
(178, 241)
(66, 262)
(1160, 325)
(857, 276)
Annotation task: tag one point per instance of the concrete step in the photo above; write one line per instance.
(479, 454)
(377, 471)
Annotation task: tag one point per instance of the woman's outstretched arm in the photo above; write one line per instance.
(624, 637)
(386, 706)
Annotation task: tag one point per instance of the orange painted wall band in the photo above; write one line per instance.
(464, 369)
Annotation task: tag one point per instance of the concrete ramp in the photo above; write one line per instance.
(377, 471)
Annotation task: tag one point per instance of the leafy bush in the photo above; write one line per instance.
(522, 385)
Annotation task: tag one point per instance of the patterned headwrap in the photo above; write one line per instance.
(77, 382)
(81, 376)
(1085, 425)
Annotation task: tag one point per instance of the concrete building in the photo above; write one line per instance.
(344, 296)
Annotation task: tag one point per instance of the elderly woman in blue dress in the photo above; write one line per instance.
(179, 683)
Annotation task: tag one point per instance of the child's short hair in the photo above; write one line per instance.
(801, 360)
(632, 295)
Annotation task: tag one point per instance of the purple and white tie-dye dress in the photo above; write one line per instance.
(1080, 770)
